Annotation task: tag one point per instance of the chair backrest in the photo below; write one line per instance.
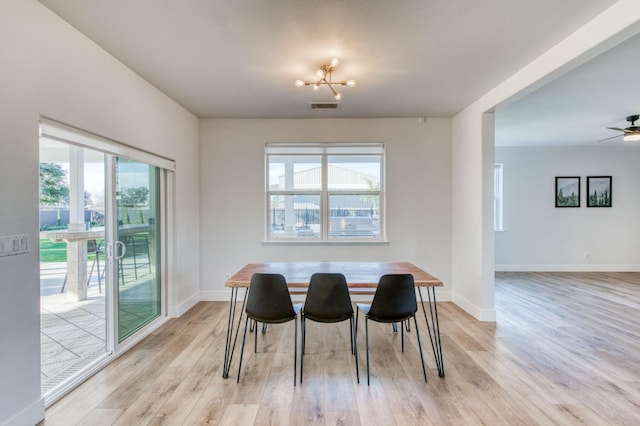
(395, 298)
(328, 298)
(92, 246)
(269, 300)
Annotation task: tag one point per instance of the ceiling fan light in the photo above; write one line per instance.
(632, 137)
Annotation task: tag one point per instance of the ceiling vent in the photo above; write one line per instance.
(324, 106)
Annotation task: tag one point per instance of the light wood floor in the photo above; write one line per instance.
(565, 350)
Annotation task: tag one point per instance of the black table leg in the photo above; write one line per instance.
(231, 339)
(436, 343)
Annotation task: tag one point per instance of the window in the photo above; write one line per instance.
(325, 192)
(497, 198)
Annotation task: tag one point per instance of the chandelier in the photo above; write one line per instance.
(324, 75)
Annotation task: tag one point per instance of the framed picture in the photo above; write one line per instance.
(567, 191)
(598, 191)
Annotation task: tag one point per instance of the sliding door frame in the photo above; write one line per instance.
(57, 131)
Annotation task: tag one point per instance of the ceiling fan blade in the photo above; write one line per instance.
(608, 139)
(616, 128)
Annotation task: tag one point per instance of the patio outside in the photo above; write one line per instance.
(73, 333)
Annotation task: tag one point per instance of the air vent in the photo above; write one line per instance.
(324, 106)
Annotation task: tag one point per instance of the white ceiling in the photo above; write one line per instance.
(413, 58)
(577, 108)
(410, 58)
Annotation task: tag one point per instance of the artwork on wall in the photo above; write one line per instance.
(567, 191)
(598, 191)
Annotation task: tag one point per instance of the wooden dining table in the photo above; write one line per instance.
(362, 279)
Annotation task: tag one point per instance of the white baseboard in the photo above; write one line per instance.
(488, 315)
(565, 268)
(31, 415)
(185, 305)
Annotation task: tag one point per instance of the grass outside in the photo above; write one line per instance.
(56, 252)
(53, 252)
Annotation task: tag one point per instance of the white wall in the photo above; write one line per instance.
(418, 179)
(48, 68)
(539, 236)
(472, 154)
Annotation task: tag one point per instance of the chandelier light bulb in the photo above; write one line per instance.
(324, 74)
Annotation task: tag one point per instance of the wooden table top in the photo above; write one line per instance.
(358, 274)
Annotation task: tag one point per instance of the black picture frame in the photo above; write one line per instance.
(599, 191)
(567, 191)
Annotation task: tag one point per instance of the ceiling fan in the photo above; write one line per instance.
(630, 134)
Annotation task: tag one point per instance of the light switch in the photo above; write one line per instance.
(11, 245)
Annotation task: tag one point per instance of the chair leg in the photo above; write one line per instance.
(366, 332)
(295, 350)
(355, 350)
(135, 264)
(303, 325)
(244, 338)
(351, 333)
(99, 277)
(402, 336)
(93, 265)
(255, 337)
(424, 371)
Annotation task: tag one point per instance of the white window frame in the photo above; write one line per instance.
(498, 200)
(324, 150)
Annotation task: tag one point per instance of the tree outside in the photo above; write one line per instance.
(54, 187)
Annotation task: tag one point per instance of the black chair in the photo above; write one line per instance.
(327, 301)
(269, 302)
(93, 247)
(394, 301)
(138, 245)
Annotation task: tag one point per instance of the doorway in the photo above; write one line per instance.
(102, 221)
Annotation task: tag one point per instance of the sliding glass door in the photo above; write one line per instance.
(103, 248)
(139, 290)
